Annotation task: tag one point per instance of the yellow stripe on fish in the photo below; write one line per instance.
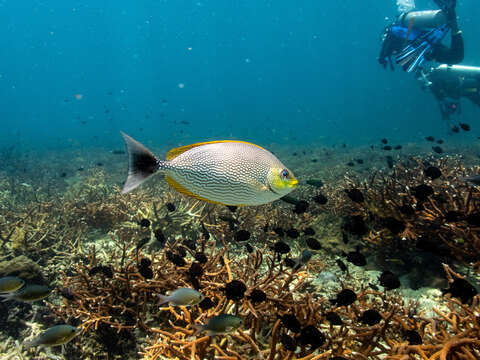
(173, 153)
(221, 172)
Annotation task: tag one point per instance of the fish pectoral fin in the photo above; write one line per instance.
(257, 185)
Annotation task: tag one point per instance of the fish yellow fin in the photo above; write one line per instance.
(175, 185)
(173, 153)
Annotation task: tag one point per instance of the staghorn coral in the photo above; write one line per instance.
(453, 334)
(107, 294)
(396, 210)
(125, 302)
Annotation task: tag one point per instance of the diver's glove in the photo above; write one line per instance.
(412, 56)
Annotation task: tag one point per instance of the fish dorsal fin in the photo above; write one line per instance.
(175, 185)
(173, 153)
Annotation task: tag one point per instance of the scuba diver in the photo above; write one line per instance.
(449, 83)
(416, 36)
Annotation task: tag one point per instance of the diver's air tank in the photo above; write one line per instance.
(428, 19)
(459, 70)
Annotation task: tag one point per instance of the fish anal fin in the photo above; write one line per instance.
(176, 186)
(173, 153)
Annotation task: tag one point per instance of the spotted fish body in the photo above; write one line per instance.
(222, 172)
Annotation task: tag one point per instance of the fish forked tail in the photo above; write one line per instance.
(163, 299)
(7, 296)
(30, 343)
(198, 329)
(141, 163)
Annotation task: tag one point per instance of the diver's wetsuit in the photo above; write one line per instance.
(448, 97)
(393, 43)
(448, 55)
(449, 89)
(474, 97)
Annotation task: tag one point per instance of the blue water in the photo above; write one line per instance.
(74, 73)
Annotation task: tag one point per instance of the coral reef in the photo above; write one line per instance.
(409, 209)
(109, 255)
(125, 301)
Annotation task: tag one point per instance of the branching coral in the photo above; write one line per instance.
(127, 301)
(111, 289)
(453, 334)
(407, 206)
(122, 299)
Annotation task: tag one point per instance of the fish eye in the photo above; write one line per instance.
(284, 173)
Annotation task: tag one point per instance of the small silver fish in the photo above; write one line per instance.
(57, 335)
(182, 297)
(303, 259)
(220, 324)
(10, 284)
(28, 293)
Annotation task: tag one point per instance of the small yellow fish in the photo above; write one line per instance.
(10, 283)
(28, 293)
(221, 172)
(57, 335)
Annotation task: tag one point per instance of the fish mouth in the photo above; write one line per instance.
(293, 183)
(290, 183)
